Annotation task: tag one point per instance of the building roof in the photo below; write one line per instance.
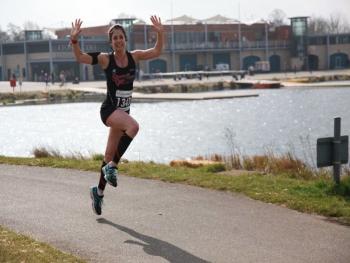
(87, 31)
(219, 19)
(182, 20)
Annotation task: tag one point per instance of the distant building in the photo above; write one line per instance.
(190, 44)
(33, 35)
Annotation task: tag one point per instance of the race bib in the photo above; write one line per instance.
(123, 99)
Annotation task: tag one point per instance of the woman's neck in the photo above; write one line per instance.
(121, 59)
(120, 54)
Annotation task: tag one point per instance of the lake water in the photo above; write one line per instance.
(279, 120)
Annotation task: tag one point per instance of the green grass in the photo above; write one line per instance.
(315, 195)
(53, 95)
(18, 248)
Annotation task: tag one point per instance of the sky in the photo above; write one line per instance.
(60, 13)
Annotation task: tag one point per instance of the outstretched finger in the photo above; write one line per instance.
(77, 22)
(155, 18)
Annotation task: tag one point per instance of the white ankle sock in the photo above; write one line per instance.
(99, 192)
(112, 164)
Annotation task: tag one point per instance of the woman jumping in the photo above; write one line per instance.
(120, 69)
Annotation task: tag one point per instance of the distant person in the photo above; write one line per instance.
(206, 69)
(13, 82)
(120, 70)
(46, 79)
(76, 80)
(62, 78)
(41, 76)
(52, 78)
(251, 70)
(234, 76)
(20, 79)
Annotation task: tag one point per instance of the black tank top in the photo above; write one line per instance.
(119, 83)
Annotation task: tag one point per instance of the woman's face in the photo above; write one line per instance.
(118, 40)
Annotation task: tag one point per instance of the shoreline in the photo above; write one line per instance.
(157, 90)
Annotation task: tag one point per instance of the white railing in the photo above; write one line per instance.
(226, 45)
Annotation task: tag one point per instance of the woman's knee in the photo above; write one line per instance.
(123, 122)
(133, 129)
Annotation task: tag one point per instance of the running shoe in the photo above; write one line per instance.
(96, 200)
(110, 174)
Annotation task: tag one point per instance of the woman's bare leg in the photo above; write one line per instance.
(123, 128)
(120, 123)
(113, 139)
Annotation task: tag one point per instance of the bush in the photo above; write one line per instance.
(97, 157)
(42, 152)
(343, 188)
(215, 168)
(248, 163)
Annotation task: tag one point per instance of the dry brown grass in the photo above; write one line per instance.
(267, 163)
(192, 163)
(42, 152)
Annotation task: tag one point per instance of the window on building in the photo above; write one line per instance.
(344, 39)
(97, 47)
(33, 34)
(333, 40)
(214, 36)
(38, 47)
(319, 40)
(61, 46)
(13, 48)
(180, 37)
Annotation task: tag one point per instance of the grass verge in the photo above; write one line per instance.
(317, 194)
(310, 194)
(43, 97)
(19, 248)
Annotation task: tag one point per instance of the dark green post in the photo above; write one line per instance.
(333, 151)
(336, 151)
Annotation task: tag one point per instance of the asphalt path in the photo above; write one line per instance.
(153, 221)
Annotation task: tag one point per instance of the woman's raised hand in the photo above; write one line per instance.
(75, 31)
(157, 24)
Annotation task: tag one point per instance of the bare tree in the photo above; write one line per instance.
(335, 24)
(3, 36)
(29, 25)
(318, 25)
(15, 32)
(338, 24)
(278, 17)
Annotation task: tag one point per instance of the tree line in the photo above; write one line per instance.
(336, 23)
(317, 25)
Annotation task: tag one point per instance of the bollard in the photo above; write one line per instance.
(333, 151)
(336, 151)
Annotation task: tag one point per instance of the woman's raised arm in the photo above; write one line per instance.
(85, 58)
(158, 47)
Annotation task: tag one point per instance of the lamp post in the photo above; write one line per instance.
(266, 41)
(2, 62)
